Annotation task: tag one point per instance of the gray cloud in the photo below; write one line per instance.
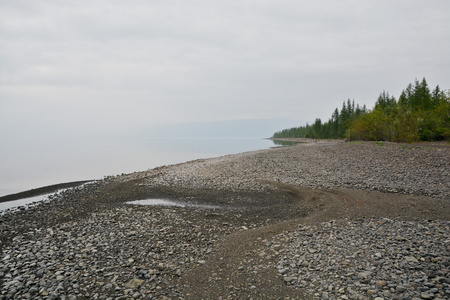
(113, 65)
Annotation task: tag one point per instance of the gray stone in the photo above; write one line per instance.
(289, 278)
(425, 295)
(400, 288)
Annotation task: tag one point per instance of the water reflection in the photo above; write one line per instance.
(285, 143)
(165, 202)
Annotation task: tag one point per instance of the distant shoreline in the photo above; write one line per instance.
(439, 144)
(42, 190)
(299, 140)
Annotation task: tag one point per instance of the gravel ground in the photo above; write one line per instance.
(111, 253)
(383, 258)
(324, 220)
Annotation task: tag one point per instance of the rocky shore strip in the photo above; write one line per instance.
(323, 220)
(42, 191)
(386, 167)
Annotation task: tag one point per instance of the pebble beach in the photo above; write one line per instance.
(318, 220)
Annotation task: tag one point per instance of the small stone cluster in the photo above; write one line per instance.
(368, 258)
(129, 252)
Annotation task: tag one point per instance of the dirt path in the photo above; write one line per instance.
(226, 274)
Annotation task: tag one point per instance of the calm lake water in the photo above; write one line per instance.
(30, 163)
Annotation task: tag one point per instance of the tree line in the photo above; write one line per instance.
(417, 115)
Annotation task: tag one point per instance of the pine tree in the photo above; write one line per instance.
(422, 96)
(436, 96)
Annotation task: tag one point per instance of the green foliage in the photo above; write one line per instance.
(372, 126)
(386, 103)
(435, 124)
(417, 115)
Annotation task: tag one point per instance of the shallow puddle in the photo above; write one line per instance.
(165, 202)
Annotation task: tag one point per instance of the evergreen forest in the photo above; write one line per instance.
(419, 114)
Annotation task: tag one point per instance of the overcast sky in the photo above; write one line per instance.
(73, 66)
